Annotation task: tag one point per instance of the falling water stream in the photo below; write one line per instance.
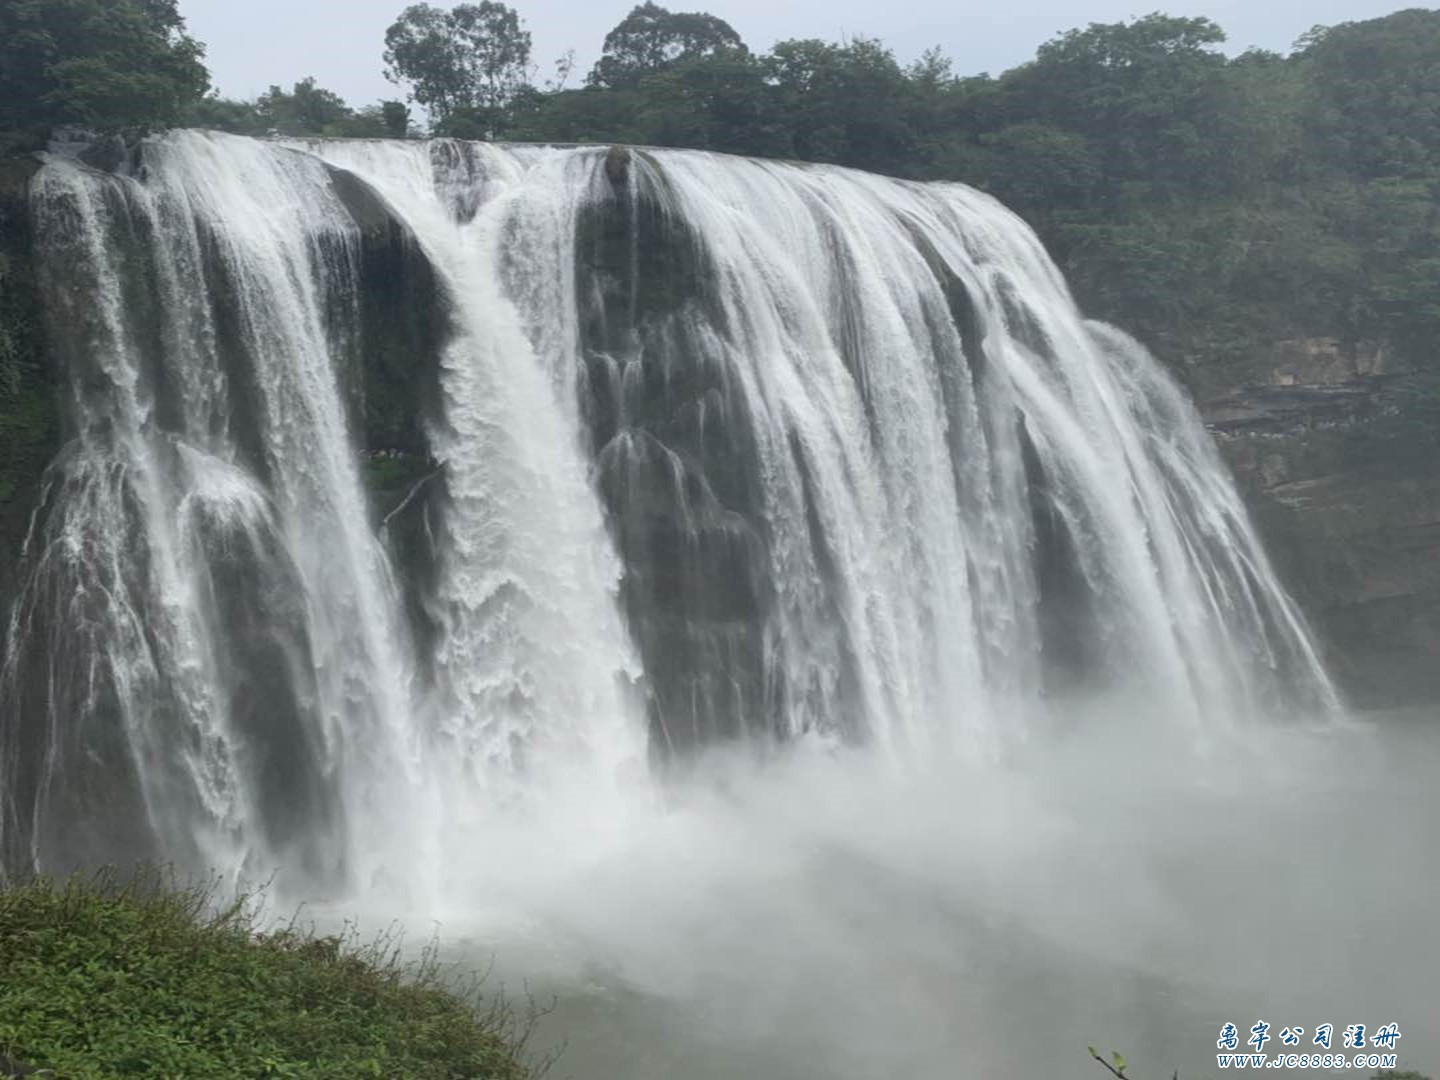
(824, 652)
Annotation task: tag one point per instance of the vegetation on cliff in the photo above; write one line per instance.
(101, 979)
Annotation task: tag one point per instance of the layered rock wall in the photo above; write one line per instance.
(1338, 455)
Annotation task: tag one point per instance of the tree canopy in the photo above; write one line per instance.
(102, 64)
(471, 61)
(651, 39)
(306, 109)
(1374, 93)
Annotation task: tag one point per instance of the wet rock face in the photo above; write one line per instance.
(675, 464)
(1327, 362)
(394, 331)
(1343, 480)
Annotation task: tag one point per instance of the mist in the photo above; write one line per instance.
(811, 911)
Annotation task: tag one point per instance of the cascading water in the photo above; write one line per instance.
(940, 493)
(208, 620)
(536, 670)
(747, 447)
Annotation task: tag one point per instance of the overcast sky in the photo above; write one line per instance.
(253, 44)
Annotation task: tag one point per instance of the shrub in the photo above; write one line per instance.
(101, 978)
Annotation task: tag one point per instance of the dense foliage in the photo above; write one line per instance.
(305, 109)
(99, 980)
(652, 38)
(103, 64)
(466, 66)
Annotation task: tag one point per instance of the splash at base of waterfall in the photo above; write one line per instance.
(818, 917)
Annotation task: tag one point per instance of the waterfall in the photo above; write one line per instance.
(709, 448)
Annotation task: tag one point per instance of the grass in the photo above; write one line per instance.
(102, 978)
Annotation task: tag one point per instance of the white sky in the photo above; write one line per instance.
(251, 45)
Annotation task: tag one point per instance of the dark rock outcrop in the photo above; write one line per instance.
(676, 464)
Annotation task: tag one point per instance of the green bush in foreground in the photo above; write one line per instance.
(100, 979)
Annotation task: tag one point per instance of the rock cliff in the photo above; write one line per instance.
(1338, 455)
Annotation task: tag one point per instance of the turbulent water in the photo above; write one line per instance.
(694, 452)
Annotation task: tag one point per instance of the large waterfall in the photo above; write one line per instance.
(685, 450)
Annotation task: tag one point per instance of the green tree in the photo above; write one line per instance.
(1043, 171)
(720, 102)
(395, 118)
(107, 65)
(465, 66)
(573, 116)
(850, 104)
(1374, 101)
(227, 114)
(651, 39)
(307, 109)
(1137, 89)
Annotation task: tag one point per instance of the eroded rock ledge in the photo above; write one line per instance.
(1338, 456)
